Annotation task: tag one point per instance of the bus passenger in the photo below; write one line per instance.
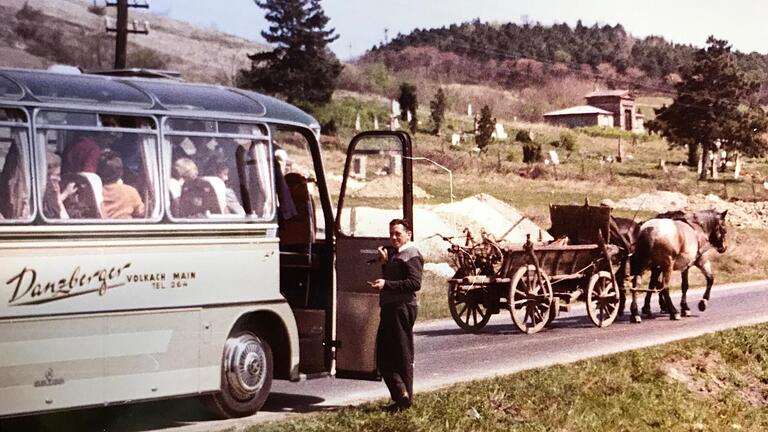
(184, 169)
(53, 198)
(82, 156)
(220, 169)
(121, 201)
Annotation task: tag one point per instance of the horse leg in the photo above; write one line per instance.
(684, 309)
(666, 276)
(652, 284)
(706, 268)
(621, 276)
(633, 306)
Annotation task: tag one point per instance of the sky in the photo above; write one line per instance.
(361, 24)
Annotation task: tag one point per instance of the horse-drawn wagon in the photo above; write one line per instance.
(535, 282)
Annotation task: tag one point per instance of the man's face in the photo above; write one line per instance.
(398, 235)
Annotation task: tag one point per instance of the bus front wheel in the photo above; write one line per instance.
(246, 376)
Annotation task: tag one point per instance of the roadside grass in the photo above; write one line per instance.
(717, 382)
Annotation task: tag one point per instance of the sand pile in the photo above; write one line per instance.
(740, 213)
(477, 212)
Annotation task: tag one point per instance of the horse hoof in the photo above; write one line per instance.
(702, 305)
(685, 313)
(636, 319)
(674, 317)
(647, 312)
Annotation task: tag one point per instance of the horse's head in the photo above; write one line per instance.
(717, 230)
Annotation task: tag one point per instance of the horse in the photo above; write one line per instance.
(677, 241)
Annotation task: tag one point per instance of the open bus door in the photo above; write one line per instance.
(377, 187)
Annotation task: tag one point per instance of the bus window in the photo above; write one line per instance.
(102, 168)
(225, 174)
(14, 168)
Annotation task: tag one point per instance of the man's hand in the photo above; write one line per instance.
(382, 254)
(378, 284)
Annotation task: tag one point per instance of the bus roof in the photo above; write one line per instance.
(145, 94)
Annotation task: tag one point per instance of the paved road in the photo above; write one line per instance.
(444, 355)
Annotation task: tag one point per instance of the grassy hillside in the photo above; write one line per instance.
(68, 31)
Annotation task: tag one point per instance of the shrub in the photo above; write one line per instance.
(531, 152)
(97, 10)
(339, 115)
(567, 141)
(147, 58)
(523, 136)
(609, 132)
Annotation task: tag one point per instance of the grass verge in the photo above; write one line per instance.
(717, 382)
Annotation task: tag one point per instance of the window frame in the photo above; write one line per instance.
(41, 165)
(30, 165)
(167, 167)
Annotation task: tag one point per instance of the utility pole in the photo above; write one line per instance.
(122, 30)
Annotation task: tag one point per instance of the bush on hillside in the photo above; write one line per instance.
(147, 58)
(339, 115)
(532, 152)
(523, 136)
(566, 141)
(610, 132)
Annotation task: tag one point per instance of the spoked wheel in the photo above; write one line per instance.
(467, 307)
(530, 299)
(246, 376)
(602, 299)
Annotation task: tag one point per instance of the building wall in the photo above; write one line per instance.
(617, 106)
(575, 120)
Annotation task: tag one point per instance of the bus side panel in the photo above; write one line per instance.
(53, 363)
(151, 354)
(139, 304)
(69, 277)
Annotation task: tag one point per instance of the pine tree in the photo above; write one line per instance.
(437, 110)
(301, 68)
(408, 103)
(485, 127)
(709, 107)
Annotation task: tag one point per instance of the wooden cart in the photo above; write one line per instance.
(535, 282)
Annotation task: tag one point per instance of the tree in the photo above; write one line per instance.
(437, 110)
(300, 68)
(485, 127)
(709, 107)
(408, 103)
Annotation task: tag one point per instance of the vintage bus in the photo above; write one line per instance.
(161, 239)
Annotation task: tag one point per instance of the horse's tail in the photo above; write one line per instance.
(640, 259)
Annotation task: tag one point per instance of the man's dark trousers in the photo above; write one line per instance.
(394, 350)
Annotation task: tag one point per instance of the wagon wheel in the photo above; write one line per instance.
(530, 299)
(467, 307)
(602, 299)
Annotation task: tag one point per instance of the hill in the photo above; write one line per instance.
(73, 32)
(520, 56)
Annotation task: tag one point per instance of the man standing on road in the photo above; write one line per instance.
(402, 266)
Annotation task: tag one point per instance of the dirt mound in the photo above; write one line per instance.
(477, 212)
(708, 375)
(741, 214)
(387, 187)
(657, 202)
